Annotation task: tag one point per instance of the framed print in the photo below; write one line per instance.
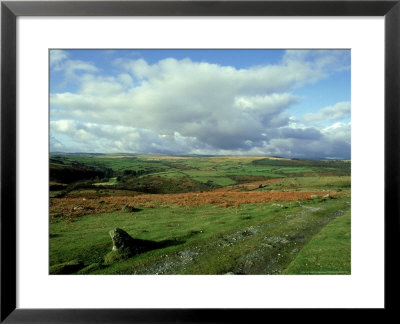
(171, 161)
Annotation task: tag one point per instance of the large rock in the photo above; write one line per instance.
(122, 241)
(125, 246)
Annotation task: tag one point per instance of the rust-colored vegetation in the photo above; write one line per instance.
(79, 206)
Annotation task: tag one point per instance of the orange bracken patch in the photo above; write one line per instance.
(74, 206)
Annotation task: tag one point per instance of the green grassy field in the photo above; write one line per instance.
(328, 252)
(203, 215)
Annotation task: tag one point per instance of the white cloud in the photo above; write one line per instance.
(221, 106)
(331, 113)
(57, 56)
(326, 61)
(183, 106)
(339, 132)
(92, 137)
(71, 69)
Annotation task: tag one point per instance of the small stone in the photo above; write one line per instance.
(130, 209)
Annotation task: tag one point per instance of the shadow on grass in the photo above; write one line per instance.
(134, 247)
(147, 245)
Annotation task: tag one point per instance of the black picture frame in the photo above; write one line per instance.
(10, 10)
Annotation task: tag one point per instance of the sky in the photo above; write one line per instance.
(289, 103)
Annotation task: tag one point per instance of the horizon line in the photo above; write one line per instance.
(206, 155)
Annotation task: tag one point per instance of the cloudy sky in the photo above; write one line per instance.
(293, 103)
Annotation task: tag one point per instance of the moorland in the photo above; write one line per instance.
(196, 214)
